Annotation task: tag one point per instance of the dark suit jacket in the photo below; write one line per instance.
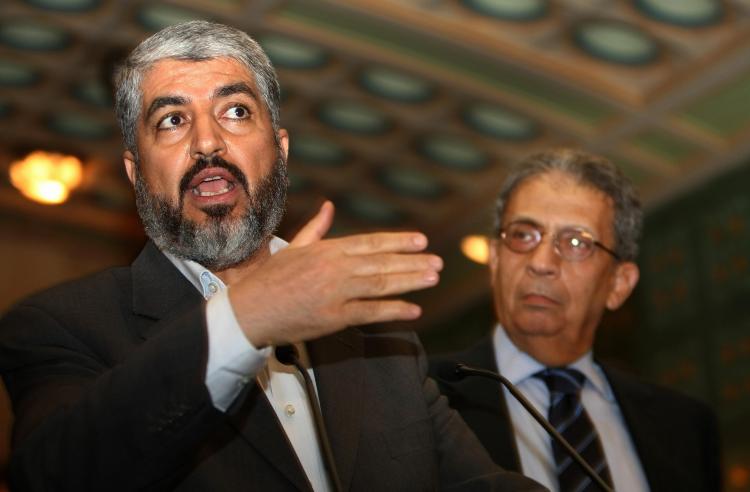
(676, 437)
(106, 376)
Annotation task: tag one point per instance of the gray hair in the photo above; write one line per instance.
(194, 41)
(589, 170)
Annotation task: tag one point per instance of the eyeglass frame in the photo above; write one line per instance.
(538, 234)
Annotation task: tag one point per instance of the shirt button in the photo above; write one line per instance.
(289, 409)
(213, 288)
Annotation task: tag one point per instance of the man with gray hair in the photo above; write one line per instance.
(178, 372)
(564, 250)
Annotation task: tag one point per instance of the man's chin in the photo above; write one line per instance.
(539, 324)
(217, 211)
(203, 215)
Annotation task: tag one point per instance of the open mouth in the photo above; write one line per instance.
(212, 182)
(215, 185)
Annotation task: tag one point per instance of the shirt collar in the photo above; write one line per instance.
(203, 279)
(518, 366)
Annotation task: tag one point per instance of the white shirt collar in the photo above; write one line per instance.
(518, 366)
(203, 279)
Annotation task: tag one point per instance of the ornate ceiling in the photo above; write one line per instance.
(406, 113)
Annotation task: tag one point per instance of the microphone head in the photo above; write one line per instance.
(451, 371)
(286, 354)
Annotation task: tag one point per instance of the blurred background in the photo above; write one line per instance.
(408, 114)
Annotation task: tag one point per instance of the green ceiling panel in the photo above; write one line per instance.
(723, 112)
(156, 16)
(664, 146)
(636, 174)
(569, 104)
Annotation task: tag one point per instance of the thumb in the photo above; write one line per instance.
(316, 228)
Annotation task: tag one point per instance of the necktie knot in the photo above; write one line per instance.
(563, 380)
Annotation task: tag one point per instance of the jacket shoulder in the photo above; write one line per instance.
(627, 386)
(81, 293)
(480, 355)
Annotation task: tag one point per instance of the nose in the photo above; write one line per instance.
(543, 261)
(207, 139)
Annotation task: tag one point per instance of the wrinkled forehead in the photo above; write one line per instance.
(170, 68)
(186, 80)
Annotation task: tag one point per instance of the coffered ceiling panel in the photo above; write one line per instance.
(406, 113)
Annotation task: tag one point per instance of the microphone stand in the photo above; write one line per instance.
(462, 370)
(287, 355)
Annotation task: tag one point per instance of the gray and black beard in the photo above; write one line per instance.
(223, 241)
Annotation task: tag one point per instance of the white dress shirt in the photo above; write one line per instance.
(233, 362)
(533, 442)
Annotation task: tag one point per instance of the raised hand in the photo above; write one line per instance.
(318, 286)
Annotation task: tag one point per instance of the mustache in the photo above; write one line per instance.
(215, 161)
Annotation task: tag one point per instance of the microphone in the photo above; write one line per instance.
(457, 371)
(287, 355)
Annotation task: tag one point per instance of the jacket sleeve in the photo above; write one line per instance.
(464, 463)
(86, 423)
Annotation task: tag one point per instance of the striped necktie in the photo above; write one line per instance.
(567, 415)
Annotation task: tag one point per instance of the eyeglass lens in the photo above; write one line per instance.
(570, 244)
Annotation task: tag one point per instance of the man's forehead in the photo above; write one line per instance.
(174, 73)
(171, 62)
(555, 199)
(176, 82)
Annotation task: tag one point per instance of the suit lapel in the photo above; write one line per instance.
(339, 375)
(634, 403)
(256, 422)
(482, 406)
(159, 289)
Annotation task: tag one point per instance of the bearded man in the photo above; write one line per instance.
(163, 375)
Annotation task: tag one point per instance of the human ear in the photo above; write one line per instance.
(626, 278)
(283, 137)
(128, 160)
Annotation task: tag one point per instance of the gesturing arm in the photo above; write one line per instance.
(318, 286)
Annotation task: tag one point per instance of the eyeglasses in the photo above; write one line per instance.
(572, 244)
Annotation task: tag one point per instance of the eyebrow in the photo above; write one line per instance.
(223, 91)
(236, 88)
(163, 101)
(534, 223)
(525, 220)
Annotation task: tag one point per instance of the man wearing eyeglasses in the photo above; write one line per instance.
(567, 228)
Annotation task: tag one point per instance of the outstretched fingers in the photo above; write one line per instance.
(362, 312)
(318, 286)
(383, 242)
(384, 285)
(387, 263)
(316, 228)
